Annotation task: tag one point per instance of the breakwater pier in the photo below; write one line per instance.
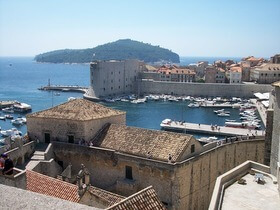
(64, 88)
(208, 129)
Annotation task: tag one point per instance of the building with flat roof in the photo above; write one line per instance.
(111, 78)
(266, 73)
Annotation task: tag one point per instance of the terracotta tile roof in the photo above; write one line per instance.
(236, 69)
(109, 197)
(78, 109)
(146, 199)
(145, 143)
(46, 185)
(174, 70)
(268, 67)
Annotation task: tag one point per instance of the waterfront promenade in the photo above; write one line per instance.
(207, 129)
(261, 110)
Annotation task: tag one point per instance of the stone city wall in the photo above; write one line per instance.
(196, 177)
(202, 89)
(275, 142)
(186, 184)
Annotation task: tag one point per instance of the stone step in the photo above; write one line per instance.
(37, 157)
(39, 153)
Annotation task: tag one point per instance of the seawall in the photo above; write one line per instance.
(202, 89)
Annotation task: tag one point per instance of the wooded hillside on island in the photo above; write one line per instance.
(118, 50)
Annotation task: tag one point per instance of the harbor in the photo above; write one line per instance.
(185, 127)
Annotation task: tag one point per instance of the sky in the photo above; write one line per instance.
(228, 28)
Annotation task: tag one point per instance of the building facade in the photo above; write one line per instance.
(266, 73)
(111, 78)
(235, 75)
(214, 75)
(73, 122)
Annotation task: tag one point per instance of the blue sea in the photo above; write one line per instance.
(20, 78)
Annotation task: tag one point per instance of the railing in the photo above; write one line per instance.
(95, 140)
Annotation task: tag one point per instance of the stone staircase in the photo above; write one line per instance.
(38, 155)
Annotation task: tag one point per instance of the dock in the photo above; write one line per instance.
(204, 105)
(4, 104)
(203, 128)
(64, 88)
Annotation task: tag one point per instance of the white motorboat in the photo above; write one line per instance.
(124, 100)
(2, 118)
(17, 122)
(108, 100)
(223, 114)
(205, 140)
(22, 107)
(166, 122)
(193, 105)
(8, 116)
(23, 119)
(10, 132)
(219, 111)
(228, 120)
(8, 110)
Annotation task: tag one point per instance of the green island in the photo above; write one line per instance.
(118, 50)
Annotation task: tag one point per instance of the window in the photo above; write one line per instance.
(70, 138)
(47, 138)
(104, 89)
(261, 74)
(192, 148)
(112, 73)
(60, 162)
(128, 172)
(119, 87)
(111, 88)
(111, 81)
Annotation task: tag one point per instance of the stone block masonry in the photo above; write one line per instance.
(202, 89)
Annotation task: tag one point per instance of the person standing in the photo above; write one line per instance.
(8, 165)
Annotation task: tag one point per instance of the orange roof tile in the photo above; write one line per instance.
(236, 69)
(145, 199)
(109, 197)
(46, 185)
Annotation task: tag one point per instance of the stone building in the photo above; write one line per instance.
(275, 59)
(125, 160)
(170, 74)
(235, 74)
(245, 69)
(199, 68)
(266, 73)
(252, 61)
(214, 75)
(111, 78)
(75, 121)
